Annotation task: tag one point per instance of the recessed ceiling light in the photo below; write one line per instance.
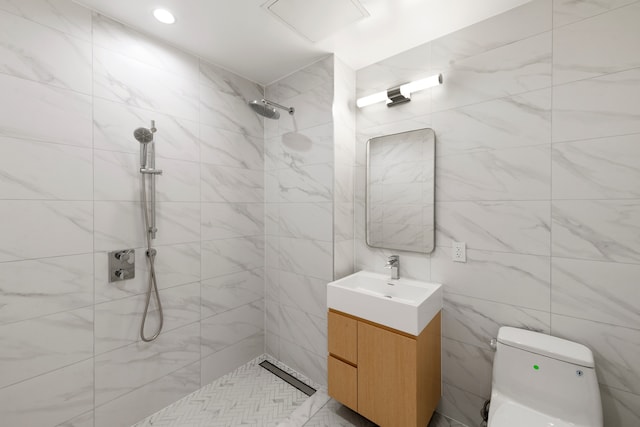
(164, 16)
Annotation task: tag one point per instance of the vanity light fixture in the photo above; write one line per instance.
(400, 94)
(164, 16)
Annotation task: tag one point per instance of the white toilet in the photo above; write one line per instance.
(543, 381)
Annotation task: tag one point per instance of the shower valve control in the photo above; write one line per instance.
(122, 265)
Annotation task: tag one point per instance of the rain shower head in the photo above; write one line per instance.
(268, 109)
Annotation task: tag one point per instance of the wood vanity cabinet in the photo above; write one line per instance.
(388, 376)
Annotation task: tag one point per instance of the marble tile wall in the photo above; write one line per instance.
(537, 170)
(306, 180)
(75, 85)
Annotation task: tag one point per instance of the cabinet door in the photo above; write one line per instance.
(387, 378)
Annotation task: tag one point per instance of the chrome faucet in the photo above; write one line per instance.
(393, 263)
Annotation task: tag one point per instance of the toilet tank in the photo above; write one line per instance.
(547, 374)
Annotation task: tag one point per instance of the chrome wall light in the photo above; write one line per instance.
(401, 94)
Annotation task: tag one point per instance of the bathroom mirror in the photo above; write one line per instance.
(400, 191)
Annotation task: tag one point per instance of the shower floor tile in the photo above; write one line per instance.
(248, 396)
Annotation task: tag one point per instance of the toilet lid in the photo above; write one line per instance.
(508, 413)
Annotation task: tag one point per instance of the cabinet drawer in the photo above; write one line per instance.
(343, 337)
(343, 382)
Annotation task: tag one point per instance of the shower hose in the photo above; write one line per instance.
(151, 258)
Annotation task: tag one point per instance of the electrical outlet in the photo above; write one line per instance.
(459, 251)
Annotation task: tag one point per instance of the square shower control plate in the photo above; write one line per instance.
(122, 265)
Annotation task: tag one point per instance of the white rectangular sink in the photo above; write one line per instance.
(403, 304)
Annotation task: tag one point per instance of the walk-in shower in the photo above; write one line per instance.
(147, 167)
(267, 108)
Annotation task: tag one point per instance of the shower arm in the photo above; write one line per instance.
(291, 110)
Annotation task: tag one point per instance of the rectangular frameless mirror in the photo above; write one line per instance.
(400, 191)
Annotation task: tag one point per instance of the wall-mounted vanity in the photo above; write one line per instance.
(384, 347)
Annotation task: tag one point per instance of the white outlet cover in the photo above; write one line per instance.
(459, 251)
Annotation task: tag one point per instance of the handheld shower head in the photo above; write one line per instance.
(266, 108)
(143, 135)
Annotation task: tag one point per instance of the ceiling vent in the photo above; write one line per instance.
(316, 20)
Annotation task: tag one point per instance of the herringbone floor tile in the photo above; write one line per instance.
(250, 396)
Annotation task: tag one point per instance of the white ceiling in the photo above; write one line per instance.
(243, 37)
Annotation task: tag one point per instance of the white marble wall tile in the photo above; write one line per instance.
(309, 257)
(303, 292)
(65, 62)
(272, 344)
(597, 169)
(522, 227)
(306, 184)
(120, 224)
(343, 221)
(519, 67)
(599, 291)
(306, 221)
(226, 256)
(304, 329)
(475, 321)
(227, 82)
(410, 65)
(602, 106)
(123, 370)
(53, 398)
(234, 185)
(179, 182)
(64, 338)
(34, 170)
(467, 366)
(119, 78)
(114, 123)
(117, 323)
(227, 220)
(230, 291)
(130, 408)
(175, 265)
(343, 184)
(413, 265)
(36, 229)
(272, 252)
(272, 219)
(117, 37)
(612, 37)
(600, 230)
(232, 357)
(343, 259)
(317, 74)
(312, 108)
(461, 405)
(312, 365)
(84, 420)
(229, 111)
(62, 15)
(301, 148)
(521, 280)
(568, 11)
(615, 349)
(511, 174)
(225, 148)
(512, 26)
(45, 286)
(515, 121)
(620, 408)
(227, 328)
(54, 107)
